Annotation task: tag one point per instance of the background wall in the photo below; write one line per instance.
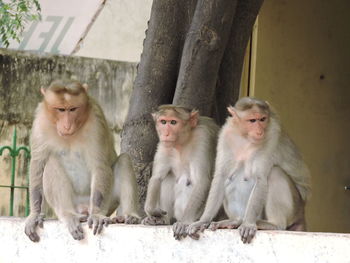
(302, 68)
(118, 31)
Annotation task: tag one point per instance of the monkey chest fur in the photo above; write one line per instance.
(76, 171)
(238, 187)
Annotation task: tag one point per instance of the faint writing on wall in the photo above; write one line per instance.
(62, 26)
(46, 40)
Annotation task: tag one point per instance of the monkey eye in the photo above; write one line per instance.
(163, 121)
(252, 120)
(263, 119)
(73, 109)
(173, 122)
(61, 109)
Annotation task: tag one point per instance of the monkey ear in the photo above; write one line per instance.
(154, 116)
(42, 90)
(232, 111)
(194, 115)
(85, 86)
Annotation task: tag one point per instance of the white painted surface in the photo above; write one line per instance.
(118, 32)
(127, 243)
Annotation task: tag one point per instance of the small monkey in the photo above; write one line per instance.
(74, 165)
(260, 176)
(182, 168)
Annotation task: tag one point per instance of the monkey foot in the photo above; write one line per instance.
(130, 220)
(154, 220)
(225, 224)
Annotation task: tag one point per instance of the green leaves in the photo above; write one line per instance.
(14, 16)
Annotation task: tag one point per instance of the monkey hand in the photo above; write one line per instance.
(194, 229)
(97, 222)
(180, 230)
(32, 222)
(247, 231)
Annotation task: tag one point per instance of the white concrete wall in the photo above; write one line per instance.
(127, 243)
(118, 31)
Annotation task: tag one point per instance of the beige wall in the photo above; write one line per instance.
(302, 68)
(118, 31)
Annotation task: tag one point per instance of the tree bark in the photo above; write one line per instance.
(192, 56)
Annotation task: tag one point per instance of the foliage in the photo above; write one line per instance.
(14, 15)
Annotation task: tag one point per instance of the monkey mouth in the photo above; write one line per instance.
(65, 134)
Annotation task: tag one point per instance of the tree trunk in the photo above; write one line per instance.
(192, 56)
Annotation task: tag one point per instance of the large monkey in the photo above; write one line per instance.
(182, 168)
(260, 176)
(74, 164)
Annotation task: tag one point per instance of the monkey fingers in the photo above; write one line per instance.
(75, 228)
(30, 227)
(247, 232)
(180, 230)
(97, 222)
(194, 229)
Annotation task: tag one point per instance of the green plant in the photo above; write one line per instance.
(14, 15)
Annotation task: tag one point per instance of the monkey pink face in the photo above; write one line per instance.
(68, 112)
(253, 126)
(169, 129)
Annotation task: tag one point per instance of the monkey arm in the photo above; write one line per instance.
(256, 200)
(36, 217)
(160, 171)
(215, 197)
(256, 203)
(198, 195)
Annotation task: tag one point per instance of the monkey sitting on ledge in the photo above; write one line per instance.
(260, 177)
(182, 168)
(74, 165)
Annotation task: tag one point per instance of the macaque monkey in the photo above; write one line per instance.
(74, 165)
(182, 168)
(260, 176)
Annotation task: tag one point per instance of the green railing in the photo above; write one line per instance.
(14, 153)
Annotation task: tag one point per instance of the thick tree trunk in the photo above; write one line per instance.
(229, 79)
(193, 55)
(204, 47)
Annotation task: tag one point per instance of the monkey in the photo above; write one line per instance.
(182, 168)
(74, 165)
(260, 176)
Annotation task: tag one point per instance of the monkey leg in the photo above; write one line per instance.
(60, 195)
(125, 192)
(284, 206)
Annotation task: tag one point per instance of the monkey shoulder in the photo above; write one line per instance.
(207, 127)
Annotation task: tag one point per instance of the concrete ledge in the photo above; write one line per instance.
(125, 243)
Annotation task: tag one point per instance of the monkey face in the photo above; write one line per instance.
(253, 126)
(68, 112)
(170, 129)
(69, 120)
